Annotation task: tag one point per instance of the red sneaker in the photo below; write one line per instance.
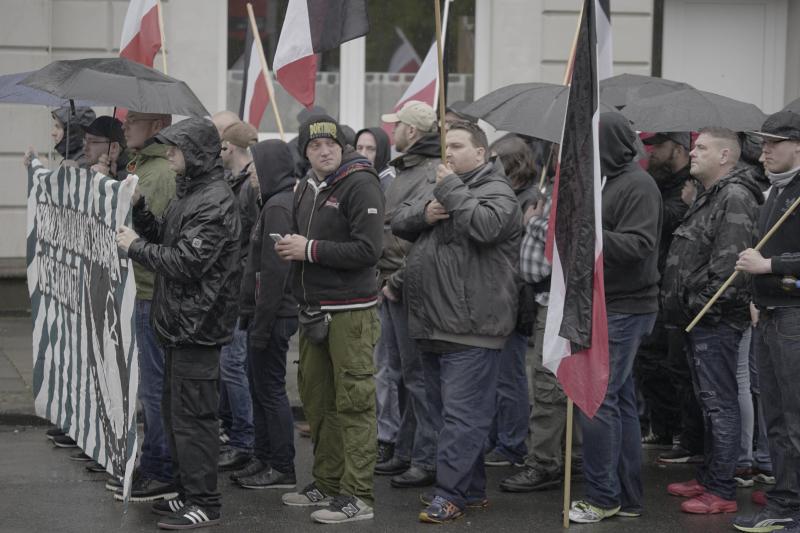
(708, 503)
(759, 497)
(686, 489)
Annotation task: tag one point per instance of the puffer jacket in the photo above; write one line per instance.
(717, 227)
(461, 276)
(194, 249)
(416, 177)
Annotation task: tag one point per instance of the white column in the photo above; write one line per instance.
(352, 65)
(483, 40)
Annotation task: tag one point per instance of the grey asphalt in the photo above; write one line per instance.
(41, 490)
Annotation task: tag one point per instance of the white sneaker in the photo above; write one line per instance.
(309, 496)
(343, 509)
(584, 512)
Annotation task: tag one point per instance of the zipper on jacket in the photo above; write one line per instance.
(313, 184)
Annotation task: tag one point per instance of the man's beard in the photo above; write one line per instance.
(661, 172)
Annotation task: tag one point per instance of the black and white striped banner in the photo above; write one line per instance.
(85, 369)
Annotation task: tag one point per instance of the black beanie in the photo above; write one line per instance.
(316, 127)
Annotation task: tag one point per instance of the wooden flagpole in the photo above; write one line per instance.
(265, 69)
(570, 404)
(438, 10)
(732, 277)
(160, 9)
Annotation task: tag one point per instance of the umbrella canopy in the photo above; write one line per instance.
(11, 92)
(621, 90)
(691, 110)
(533, 109)
(793, 106)
(117, 82)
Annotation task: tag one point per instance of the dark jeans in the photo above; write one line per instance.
(656, 384)
(191, 398)
(416, 437)
(612, 448)
(510, 427)
(234, 381)
(777, 345)
(691, 436)
(462, 388)
(155, 460)
(272, 414)
(714, 353)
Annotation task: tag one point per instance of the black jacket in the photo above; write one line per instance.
(674, 209)
(194, 248)
(342, 217)
(383, 149)
(73, 125)
(267, 293)
(631, 212)
(783, 247)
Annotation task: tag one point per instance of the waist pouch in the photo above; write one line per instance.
(314, 325)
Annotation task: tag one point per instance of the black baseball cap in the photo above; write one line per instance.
(107, 127)
(683, 138)
(781, 126)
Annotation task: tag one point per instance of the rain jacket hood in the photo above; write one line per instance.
(198, 139)
(617, 144)
(274, 167)
(383, 150)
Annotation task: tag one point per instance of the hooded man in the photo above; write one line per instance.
(631, 214)
(194, 251)
(718, 225)
(406, 437)
(461, 281)
(67, 132)
(374, 144)
(270, 309)
(334, 246)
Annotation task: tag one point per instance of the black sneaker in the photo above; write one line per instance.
(168, 507)
(679, 455)
(95, 468)
(654, 441)
(268, 479)
(529, 480)
(114, 484)
(190, 517)
(763, 522)
(392, 467)
(63, 441)
(233, 459)
(254, 466)
(385, 452)
(80, 457)
(146, 489)
(53, 432)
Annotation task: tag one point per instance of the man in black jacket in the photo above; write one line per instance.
(270, 309)
(775, 271)
(460, 286)
(335, 245)
(194, 251)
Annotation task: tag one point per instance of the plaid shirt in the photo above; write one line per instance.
(534, 266)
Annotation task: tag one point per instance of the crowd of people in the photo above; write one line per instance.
(420, 287)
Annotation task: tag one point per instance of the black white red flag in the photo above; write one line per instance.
(255, 96)
(576, 331)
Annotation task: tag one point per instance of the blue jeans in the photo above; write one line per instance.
(155, 460)
(233, 379)
(388, 379)
(778, 350)
(612, 448)
(416, 438)
(462, 389)
(714, 354)
(272, 414)
(511, 419)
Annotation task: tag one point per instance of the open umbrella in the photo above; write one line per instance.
(691, 110)
(116, 82)
(621, 90)
(533, 109)
(11, 92)
(793, 106)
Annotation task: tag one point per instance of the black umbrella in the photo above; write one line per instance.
(691, 110)
(793, 106)
(621, 90)
(533, 109)
(116, 82)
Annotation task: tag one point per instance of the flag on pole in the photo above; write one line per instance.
(141, 35)
(255, 96)
(576, 331)
(405, 58)
(425, 85)
(310, 28)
